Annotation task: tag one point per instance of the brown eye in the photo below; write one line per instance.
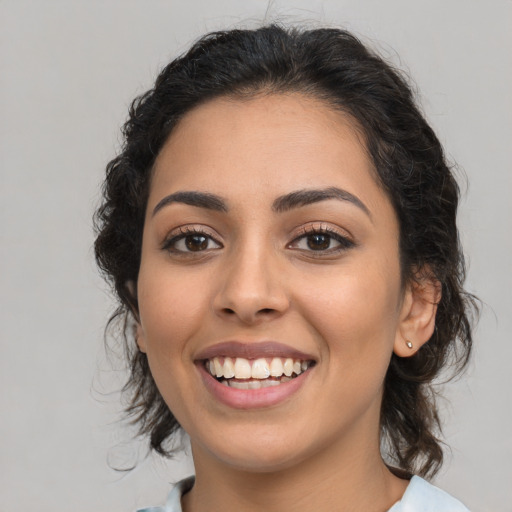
(322, 241)
(196, 242)
(319, 241)
(191, 242)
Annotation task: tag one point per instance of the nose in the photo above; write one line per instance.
(251, 289)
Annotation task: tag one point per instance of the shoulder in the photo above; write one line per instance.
(420, 496)
(173, 503)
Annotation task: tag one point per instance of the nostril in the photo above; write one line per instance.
(266, 311)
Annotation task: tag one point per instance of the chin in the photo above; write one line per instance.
(259, 451)
(267, 461)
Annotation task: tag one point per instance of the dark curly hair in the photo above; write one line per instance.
(334, 66)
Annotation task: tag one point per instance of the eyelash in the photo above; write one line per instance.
(308, 231)
(169, 244)
(344, 242)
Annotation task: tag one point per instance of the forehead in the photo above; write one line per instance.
(266, 145)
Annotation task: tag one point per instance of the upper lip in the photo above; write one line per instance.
(252, 350)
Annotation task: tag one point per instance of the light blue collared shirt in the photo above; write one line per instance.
(420, 496)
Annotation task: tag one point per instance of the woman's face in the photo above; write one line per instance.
(269, 249)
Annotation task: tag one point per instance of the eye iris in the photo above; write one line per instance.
(319, 242)
(196, 242)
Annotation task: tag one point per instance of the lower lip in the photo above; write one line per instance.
(252, 398)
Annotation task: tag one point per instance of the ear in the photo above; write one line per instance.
(138, 332)
(418, 313)
(140, 338)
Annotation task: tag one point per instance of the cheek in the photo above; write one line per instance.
(355, 321)
(171, 312)
(171, 308)
(356, 314)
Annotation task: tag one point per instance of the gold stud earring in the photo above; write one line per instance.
(409, 344)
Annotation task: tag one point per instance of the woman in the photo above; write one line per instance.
(280, 231)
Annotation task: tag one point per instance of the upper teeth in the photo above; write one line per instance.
(241, 368)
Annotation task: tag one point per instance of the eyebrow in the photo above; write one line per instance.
(309, 196)
(193, 198)
(282, 204)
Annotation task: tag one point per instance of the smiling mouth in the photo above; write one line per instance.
(242, 373)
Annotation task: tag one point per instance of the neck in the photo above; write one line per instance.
(348, 477)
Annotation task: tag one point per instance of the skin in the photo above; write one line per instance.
(258, 279)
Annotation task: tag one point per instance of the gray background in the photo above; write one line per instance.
(68, 70)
